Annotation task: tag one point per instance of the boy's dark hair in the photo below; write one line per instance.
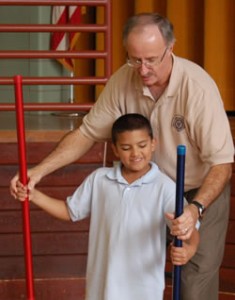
(130, 122)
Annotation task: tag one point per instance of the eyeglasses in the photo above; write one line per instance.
(149, 63)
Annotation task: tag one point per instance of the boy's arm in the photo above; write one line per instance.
(52, 206)
(55, 207)
(181, 255)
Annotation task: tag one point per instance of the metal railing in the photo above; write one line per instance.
(22, 54)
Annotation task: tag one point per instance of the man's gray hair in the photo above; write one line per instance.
(144, 19)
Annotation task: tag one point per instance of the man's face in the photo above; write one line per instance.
(149, 55)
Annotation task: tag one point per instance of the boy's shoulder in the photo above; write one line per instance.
(157, 174)
(161, 177)
(101, 171)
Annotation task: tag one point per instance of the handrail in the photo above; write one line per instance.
(45, 54)
(54, 80)
(49, 107)
(54, 2)
(51, 28)
(51, 54)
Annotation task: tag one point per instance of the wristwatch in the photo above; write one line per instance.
(201, 208)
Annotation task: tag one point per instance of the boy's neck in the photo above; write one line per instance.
(132, 176)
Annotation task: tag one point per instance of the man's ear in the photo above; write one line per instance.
(171, 47)
(114, 148)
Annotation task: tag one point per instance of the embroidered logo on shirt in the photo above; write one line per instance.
(178, 123)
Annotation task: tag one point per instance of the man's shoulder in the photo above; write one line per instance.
(191, 69)
(123, 74)
(193, 74)
(187, 63)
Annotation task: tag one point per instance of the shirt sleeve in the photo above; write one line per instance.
(98, 122)
(209, 127)
(79, 204)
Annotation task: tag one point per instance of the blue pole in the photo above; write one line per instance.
(179, 207)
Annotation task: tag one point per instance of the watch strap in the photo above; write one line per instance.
(200, 207)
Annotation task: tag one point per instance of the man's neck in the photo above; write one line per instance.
(158, 89)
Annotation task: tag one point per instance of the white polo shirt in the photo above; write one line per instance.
(189, 112)
(127, 239)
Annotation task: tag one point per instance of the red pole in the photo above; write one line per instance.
(23, 178)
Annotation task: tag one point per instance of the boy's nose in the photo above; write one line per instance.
(134, 152)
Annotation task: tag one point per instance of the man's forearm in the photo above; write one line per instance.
(214, 184)
(72, 146)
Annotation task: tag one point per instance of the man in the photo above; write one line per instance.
(184, 107)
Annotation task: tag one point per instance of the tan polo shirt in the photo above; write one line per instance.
(189, 112)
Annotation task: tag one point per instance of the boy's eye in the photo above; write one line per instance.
(142, 145)
(125, 148)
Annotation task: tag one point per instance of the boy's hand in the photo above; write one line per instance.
(181, 255)
(21, 191)
(33, 176)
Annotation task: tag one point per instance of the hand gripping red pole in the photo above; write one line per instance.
(23, 178)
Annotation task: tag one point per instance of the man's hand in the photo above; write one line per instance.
(34, 177)
(183, 226)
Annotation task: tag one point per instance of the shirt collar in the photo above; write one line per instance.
(116, 174)
(175, 78)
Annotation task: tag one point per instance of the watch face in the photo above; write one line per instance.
(200, 211)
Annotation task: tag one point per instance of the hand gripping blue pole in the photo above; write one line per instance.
(179, 207)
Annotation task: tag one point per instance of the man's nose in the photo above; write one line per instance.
(143, 70)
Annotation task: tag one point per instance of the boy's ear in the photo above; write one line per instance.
(154, 144)
(114, 148)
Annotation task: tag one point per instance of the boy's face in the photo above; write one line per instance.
(135, 148)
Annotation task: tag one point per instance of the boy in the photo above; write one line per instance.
(127, 205)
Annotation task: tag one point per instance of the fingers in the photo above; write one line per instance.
(184, 234)
(34, 178)
(183, 226)
(170, 216)
(178, 256)
(22, 191)
(15, 185)
(13, 189)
